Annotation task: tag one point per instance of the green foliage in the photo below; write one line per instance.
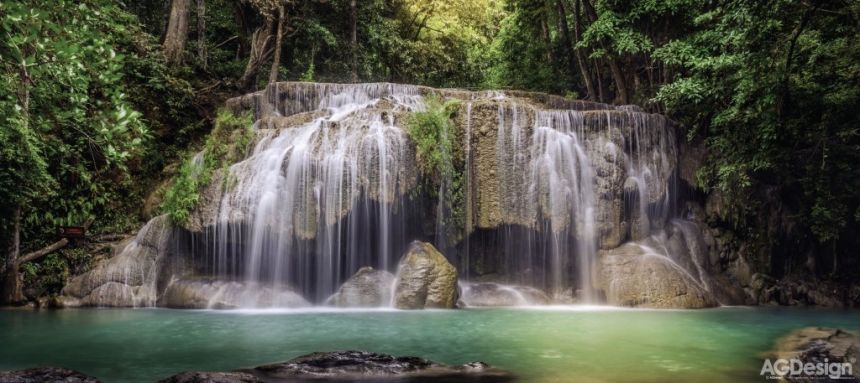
(48, 276)
(774, 88)
(440, 159)
(519, 52)
(69, 132)
(228, 143)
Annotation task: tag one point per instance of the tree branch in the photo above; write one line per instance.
(42, 252)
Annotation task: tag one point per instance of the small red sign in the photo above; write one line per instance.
(72, 232)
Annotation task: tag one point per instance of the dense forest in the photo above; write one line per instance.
(102, 100)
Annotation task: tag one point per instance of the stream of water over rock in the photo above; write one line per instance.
(332, 185)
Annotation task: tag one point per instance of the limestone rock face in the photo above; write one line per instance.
(130, 278)
(203, 294)
(367, 288)
(493, 294)
(425, 279)
(636, 275)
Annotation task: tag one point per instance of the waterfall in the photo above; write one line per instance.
(326, 188)
(318, 200)
(331, 185)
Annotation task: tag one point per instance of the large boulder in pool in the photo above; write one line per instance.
(361, 366)
(638, 275)
(367, 288)
(45, 375)
(425, 279)
(215, 294)
(820, 345)
(494, 294)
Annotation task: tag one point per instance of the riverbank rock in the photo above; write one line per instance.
(807, 291)
(819, 345)
(46, 375)
(494, 294)
(206, 294)
(637, 275)
(425, 279)
(367, 288)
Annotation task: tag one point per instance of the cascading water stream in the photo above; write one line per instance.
(320, 199)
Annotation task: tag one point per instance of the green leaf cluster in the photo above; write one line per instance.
(439, 157)
(227, 144)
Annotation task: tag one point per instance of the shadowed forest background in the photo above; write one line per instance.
(103, 100)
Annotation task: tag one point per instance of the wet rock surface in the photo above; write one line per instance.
(45, 375)
(367, 288)
(819, 345)
(215, 294)
(361, 366)
(633, 275)
(129, 278)
(352, 366)
(212, 377)
(425, 279)
(494, 294)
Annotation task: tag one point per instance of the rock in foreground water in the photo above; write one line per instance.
(353, 366)
(212, 377)
(45, 375)
(425, 279)
(367, 288)
(820, 345)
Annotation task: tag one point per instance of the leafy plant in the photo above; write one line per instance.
(440, 160)
(228, 143)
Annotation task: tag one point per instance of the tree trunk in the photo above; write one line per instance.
(353, 42)
(600, 93)
(614, 65)
(177, 31)
(583, 64)
(244, 29)
(11, 292)
(201, 32)
(276, 61)
(261, 41)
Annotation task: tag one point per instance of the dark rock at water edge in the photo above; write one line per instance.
(353, 366)
(212, 377)
(45, 375)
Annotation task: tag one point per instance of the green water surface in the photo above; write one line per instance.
(539, 345)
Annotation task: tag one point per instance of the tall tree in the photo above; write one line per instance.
(177, 31)
(201, 33)
(581, 63)
(353, 41)
(615, 67)
(279, 41)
